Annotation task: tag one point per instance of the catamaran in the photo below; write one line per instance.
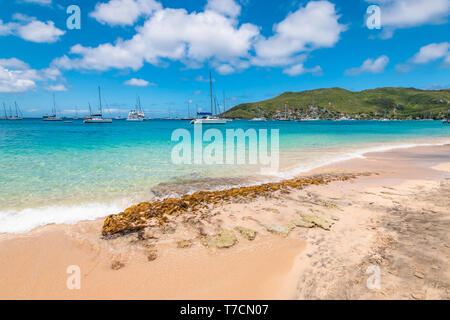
(97, 118)
(136, 115)
(53, 117)
(16, 117)
(208, 117)
(258, 119)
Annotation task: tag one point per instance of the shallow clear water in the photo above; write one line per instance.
(64, 172)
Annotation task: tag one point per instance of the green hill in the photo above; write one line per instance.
(334, 103)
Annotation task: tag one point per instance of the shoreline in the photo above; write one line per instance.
(70, 211)
(309, 259)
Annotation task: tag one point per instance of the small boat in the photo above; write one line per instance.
(68, 121)
(285, 115)
(16, 117)
(258, 119)
(446, 121)
(53, 117)
(208, 117)
(136, 115)
(209, 120)
(97, 118)
(76, 114)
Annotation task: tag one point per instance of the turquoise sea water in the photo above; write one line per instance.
(55, 172)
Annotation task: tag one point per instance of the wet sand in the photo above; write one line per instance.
(397, 218)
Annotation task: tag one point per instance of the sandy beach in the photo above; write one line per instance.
(316, 242)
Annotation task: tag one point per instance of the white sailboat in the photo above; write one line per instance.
(16, 117)
(285, 114)
(260, 118)
(52, 117)
(209, 118)
(76, 114)
(97, 118)
(136, 115)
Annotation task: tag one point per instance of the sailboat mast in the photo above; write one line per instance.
(189, 109)
(17, 110)
(100, 99)
(224, 101)
(210, 89)
(54, 105)
(4, 109)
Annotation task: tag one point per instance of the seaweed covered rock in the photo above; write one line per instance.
(184, 244)
(248, 234)
(224, 239)
(303, 224)
(317, 220)
(139, 216)
(279, 230)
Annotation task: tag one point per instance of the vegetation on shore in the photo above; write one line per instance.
(337, 103)
(145, 214)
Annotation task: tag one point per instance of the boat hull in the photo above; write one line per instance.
(53, 119)
(98, 121)
(209, 121)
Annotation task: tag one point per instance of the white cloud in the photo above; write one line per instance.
(447, 61)
(426, 54)
(56, 87)
(17, 76)
(41, 2)
(38, 31)
(13, 63)
(314, 26)
(124, 12)
(370, 66)
(432, 52)
(6, 28)
(396, 14)
(139, 82)
(30, 29)
(214, 36)
(225, 69)
(226, 7)
(171, 34)
(203, 79)
(298, 69)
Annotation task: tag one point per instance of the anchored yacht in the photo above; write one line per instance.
(97, 118)
(52, 117)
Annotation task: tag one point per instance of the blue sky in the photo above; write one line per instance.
(163, 50)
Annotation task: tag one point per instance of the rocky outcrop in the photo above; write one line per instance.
(317, 220)
(139, 216)
(224, 239)
(248, 234)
